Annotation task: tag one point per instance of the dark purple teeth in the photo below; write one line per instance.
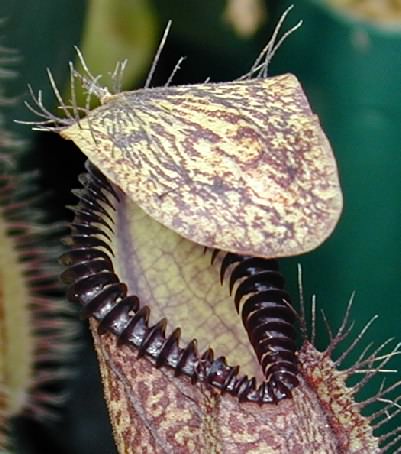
(266, 314)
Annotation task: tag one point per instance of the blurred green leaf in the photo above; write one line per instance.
(117, 30)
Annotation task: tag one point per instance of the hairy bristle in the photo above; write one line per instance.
(38, 327)
(158, 53)
(52, 327)
(90, 82)
(79, 80)
(261, 65)
(365, 368)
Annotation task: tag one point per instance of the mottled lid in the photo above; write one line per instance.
(241, 166)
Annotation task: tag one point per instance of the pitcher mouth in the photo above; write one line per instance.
(266, 312)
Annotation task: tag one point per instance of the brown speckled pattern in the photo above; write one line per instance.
(242, 166)
(154, 412)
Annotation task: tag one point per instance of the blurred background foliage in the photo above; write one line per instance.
(351, 71)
